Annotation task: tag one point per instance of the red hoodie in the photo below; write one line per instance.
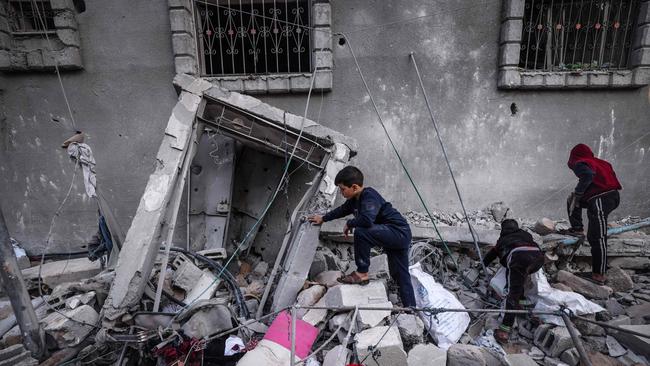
(604, 179)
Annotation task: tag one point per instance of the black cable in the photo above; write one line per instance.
(228, 277)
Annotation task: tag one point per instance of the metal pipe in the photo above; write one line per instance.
(432, 310)
(614, 231)
(14, 286)
(294, 315)
(444, 153)
(577, 342)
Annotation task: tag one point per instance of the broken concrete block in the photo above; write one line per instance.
(426, 354)
(411, 328)
(519, 359)
(203, 289)
(544, 226)
(351, 295)
(632, 359)
(186, 275)
(619, 280)
(337, 356)
(613, 347)
(68, 332)
(371, 318)
(80, 299)
(596, 343)
(553, 341)
(465, 355)
(208, 317)
(58, 272)
(324, 260)
(639, 345)
(387, 350)
(329, 278)
(570, 357)
(311, 295)
(636, 263)
(584, 287)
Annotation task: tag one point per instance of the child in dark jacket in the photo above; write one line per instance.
(518, 252)
(597, 191)
(375, 224)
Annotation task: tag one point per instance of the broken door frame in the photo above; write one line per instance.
(153, 218)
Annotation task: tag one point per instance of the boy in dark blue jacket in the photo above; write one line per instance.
(375, 223)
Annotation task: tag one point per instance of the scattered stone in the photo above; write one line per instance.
(427, 354)
(329, 278)
(465, 355)
(614, 348)
(261, 268)
(339, 320)
(635, 343)
(390, 350)
(68, 332)
(255, 288)
(207, 317)
(411, 328)
(570, 357)
(371, 318)
(536, 353)
(636, 263)
(632, 359)
(551, 361)
(311, 295)
(315, 316)
(587, 328)
(584, 287)
(544, 226)
(500, 211)
(337, 356)
(614, 307)
(600, 359)
(519, 359)
(324, 260)
(595, 343)
(619, 280)
(637, 312)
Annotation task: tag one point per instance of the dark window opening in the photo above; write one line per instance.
(31, 17)
(577, 35)
(253, 37)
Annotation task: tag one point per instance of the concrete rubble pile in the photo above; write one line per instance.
(254, 283)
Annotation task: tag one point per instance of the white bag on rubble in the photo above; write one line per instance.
(499, 283)
(445, 328)
(547, 298)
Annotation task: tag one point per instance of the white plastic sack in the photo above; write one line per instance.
(445, 328)
(499, 283)
(547, 298)
(234, 345)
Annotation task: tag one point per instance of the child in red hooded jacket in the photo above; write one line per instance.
(597, 191)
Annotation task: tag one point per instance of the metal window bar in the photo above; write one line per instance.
(23, 17)
(574, 35)
(253, 36)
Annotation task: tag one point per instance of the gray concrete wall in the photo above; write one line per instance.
(518, 159)
(123, 97)
(122, 100)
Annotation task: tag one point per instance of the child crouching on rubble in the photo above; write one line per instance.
(375, 224)
(521, 256)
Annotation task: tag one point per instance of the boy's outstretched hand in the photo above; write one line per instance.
(316, 219)
(346, 230)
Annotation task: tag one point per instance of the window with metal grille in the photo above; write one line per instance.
(577, 34)
(30, 17)
(253, 37)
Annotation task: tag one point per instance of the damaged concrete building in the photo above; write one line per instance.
(217, 127)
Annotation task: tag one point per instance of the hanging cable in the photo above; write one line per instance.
(390, 140)
(451, 172)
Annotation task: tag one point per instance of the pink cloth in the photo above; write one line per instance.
(280, 333)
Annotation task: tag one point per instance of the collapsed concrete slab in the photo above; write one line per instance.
(380, 346)
(252, 124)
(58, 272)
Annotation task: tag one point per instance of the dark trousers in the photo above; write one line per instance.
(520, 265)
(396, 242)
(598, 209)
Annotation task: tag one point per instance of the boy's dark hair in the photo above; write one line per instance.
(348, 176)
(509, 225)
